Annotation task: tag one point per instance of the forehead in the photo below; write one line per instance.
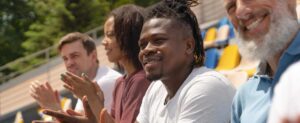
(109, 23)
(226, 1)
(160, 25)
(74, 47)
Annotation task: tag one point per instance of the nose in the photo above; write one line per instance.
(104, 42)
(242, 10)
(69, 62)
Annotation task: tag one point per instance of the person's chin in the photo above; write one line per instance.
(152, 76)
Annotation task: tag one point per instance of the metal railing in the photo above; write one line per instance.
(27, 63)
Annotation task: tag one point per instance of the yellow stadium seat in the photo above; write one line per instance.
(229, 59)
(211, 35)
(246, 69)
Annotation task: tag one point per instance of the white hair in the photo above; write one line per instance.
(283, 26)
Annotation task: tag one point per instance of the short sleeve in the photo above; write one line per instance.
(134, 99)
(236, 109)
(207, 101)
(143, 116)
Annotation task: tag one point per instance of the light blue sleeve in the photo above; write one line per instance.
(236, 109)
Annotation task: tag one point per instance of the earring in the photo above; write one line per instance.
(197, 59)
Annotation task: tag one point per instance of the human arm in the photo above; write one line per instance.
(72, 117)
(45, 96)
(236, 110)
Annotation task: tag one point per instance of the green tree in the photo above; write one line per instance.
(85, 15)
(47, 27)
(15, 18)
(28, 26)
(56, 18)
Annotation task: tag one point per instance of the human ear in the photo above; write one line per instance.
(94, 54)
(190, 45)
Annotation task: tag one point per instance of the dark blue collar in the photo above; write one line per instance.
(294, 48)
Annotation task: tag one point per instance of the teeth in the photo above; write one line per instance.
(254, 24)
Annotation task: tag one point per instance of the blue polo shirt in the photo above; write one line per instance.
(253, 99)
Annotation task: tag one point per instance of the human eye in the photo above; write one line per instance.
(158, 41)
(65, 58)
(74, 56)
(110, 34)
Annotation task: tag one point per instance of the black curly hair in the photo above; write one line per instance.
(180, 11)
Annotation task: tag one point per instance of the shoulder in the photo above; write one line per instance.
(110, 72)
(206, 85)
(209, 79)
(107, 74)
(256, 87)
(254, 83)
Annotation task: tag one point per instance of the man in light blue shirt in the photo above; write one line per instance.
(267, 30)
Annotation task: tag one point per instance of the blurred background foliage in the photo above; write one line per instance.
(28, 26)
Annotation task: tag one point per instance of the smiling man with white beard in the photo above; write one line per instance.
(268, 31)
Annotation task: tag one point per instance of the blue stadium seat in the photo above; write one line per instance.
(211, 58)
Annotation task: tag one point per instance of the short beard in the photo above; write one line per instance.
(154, 75)
(152, 78)
(283, 26)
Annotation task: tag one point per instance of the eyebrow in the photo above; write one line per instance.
(74, 53)
(157, 34)
(153, 35)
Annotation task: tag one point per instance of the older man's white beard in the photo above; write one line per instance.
(283, 25)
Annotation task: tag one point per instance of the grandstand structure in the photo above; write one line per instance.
(14, 94)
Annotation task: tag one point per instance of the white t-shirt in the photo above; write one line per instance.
(286, 100)
(105, 78)
(204, 97)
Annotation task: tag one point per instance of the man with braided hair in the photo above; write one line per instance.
(172, 55)
(183, 90)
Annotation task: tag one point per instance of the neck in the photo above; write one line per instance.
(274, 61)
(128, 66)
(175, 80)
